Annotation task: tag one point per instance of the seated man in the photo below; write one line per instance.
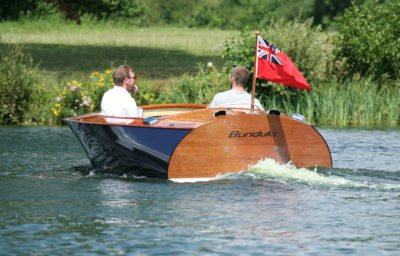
(118, 101)
(237, 96)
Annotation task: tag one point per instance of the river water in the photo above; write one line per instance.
(51, 203)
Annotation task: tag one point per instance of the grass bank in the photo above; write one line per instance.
(66, 51)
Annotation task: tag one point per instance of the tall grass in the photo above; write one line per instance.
(361, 102)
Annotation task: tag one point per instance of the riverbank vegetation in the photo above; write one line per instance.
(52, 68)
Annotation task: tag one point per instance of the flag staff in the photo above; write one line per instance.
(253, 87)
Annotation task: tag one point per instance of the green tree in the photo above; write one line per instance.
(369, 43)
(325, 11)
(13, 10)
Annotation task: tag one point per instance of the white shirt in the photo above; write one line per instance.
(234, 98)
(118, 102)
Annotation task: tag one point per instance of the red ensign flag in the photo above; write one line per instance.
(275, 66)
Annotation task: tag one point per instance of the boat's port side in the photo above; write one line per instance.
(119, 149)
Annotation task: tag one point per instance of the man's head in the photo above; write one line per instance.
(123, 76)
(239, 75)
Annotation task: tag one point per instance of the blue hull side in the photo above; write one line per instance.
(142, 151)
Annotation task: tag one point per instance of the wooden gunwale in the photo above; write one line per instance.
(195, 115)
(181, 105)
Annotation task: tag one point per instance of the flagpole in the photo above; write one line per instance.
(253, 87)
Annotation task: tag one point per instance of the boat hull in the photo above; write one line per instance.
(127, 149)
(197, 143)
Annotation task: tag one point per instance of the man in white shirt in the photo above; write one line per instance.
(118, 101)
(237, 96)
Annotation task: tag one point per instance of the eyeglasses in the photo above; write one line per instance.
(134, 77)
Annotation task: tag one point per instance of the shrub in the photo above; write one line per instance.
(19, 89)
(76, 98)
(369, 43)
(97, 84)
(309, 48)
(72, 101)
(199, 88)
(130, 12)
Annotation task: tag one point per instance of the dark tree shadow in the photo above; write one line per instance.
(149, 62)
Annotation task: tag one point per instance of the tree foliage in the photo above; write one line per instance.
(369, 42)
(325, 11)
(310, 50)
(226, 14)
(13, 10)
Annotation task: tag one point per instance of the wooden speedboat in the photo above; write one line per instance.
(190, 141)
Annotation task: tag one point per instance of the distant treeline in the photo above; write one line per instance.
(224, 14)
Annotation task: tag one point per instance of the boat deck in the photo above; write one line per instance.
(171, 116)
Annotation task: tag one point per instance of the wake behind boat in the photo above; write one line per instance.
(190, 141)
